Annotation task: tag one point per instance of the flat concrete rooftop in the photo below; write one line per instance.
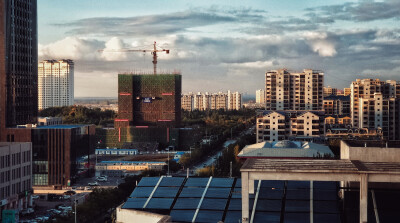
(372, 143)
(319, 166)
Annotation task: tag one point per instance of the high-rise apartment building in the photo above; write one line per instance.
(55, 83)
(346, 91)
(215, 101)
(187, 102)
(336, 105)
(375, 105)
(18, 66)
(234, 100)
(219, 101)
(294, 91)
(260, 96)
(329, 91)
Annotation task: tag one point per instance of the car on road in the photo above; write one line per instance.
(35, 196)
(88, 188)
(69, 192)
(93, 183)
(64, 207)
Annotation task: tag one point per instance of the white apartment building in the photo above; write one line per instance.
(234, 100)
(15, 175)
(215, 101)
(55, 83)
(187, 102)
(282, 125)
(260, 96)
(294, 91)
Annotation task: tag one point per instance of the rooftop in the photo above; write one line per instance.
(372, 143)
(285, 149)
(61, 126)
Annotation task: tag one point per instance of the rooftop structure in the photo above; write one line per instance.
(285, 149)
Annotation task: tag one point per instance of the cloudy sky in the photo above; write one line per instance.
(221, 45)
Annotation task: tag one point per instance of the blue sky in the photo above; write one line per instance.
(222, 45)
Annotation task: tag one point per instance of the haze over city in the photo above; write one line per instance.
(221, 45)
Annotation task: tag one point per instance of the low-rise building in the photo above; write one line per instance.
(285, 149)
(119, 167)
(15, 175)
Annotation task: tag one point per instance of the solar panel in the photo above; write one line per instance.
(233, 217)
(272, 184)
(221, 182)
(160, 203)
(182, 215)
(297, 206)
(186, 203)
(192, 192)
(326, 207)
(213, 204)
(142, 192)
(218, 192)
(296, 217)
(172, 181)
(327, 195)
(298, 185)
(328, 218)
(298, 194)
(326, 185)
(196, 182)
(269, 205)
(268, 193)
(237, 193)
(148, 181)
(209, 216)
(261, 217)
(166, 192)
(236, 204)
(238, 183)
(134, 203)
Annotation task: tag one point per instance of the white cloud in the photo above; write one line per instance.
(320, 43)
(72, 48)
(112, 51)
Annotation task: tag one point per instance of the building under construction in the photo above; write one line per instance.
(146, 100)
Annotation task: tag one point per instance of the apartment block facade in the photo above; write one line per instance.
(294, 91)
(336, 105)
(329, 91)
(366, 88)
(260, 96)
(282, 125)
(215, 101)
(55, 83)
(15, 175)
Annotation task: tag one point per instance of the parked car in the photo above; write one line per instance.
(35, 196)
(64, 207)
(27, 211)
(102, 179)
(70, 192)
(88, 188)
(93, 183)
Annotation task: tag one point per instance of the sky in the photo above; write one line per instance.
(221, 45)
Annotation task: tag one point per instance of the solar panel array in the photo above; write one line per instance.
(219, 199)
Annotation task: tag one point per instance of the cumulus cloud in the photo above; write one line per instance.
(114, 50)
(321, 44)
(72, 48)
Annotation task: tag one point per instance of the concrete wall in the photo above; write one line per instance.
(369, 154)
(130, 215)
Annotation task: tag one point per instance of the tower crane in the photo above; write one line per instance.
(153, 51)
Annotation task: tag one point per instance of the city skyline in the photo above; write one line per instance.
(222, 46)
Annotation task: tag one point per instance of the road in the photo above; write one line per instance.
(211, 159)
